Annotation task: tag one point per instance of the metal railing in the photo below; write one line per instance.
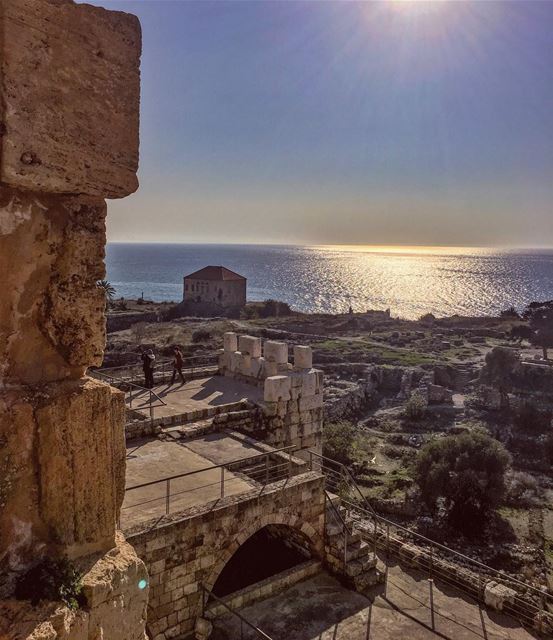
(163, 368)
(219, 480)
(206, 594)
(338, 479)
(530, 605)
(132, 391)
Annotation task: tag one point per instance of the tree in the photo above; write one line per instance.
(540, 321)
(338, 441)
(498, 370)
(465, 474)
(108, 288)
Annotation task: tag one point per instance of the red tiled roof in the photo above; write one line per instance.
(215, 273)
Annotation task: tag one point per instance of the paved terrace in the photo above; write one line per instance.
(321, 609)
(194, 395)
(151, 459)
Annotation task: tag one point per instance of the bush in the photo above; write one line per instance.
(416, 406)
(465, 475)
(521, 488)
(338, 441)
(54, 580)
(529, 419)
(201, 335)
(274, 308)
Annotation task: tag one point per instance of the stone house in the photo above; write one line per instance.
(215, 285)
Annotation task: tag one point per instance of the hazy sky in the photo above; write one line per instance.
(331, 122)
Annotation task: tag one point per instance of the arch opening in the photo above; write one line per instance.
(269, 551)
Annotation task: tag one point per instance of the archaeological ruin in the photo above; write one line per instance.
(174, 508)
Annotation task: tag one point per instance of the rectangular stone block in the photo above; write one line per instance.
(311, 402)
(235, 361)
(277, 388)
(257, 367)
(230, 341)
(275, 351)
(309, 386)
(303, 357)
(70, 125)
(245, 365)
(249, 345)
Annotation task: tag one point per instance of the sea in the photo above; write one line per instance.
(410, 281)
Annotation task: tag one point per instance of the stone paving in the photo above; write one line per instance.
(152, 459)
(321, 609)
(194, 395)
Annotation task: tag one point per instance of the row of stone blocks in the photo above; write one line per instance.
(248, 358)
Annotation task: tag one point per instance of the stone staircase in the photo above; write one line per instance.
(347, 554)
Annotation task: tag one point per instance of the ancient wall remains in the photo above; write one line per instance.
(291, 413)
(64, 68)
(193, 551)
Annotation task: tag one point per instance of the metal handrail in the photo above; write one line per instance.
(428, 541)
(345, 471)
(114, 381)
(215, 466)
(258, 631)
(521, 608)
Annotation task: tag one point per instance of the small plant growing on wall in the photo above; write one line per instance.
(54, 580)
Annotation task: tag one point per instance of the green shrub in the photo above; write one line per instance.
(54, 580)
(464, 474)
(416, 406)
(338, 441)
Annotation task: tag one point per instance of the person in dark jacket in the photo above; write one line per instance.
(177, 365)
(148, 360)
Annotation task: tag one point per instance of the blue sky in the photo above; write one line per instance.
(393, 122)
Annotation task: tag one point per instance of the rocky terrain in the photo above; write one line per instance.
(374, 364)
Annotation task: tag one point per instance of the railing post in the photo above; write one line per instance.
(374, 540)
(267, 469)
(167, 495)
(431, 563)
(431, 585)
(345, 548)
(151, 408)
(289, 465)
(222, 482)
(310, 460)
(387, 557)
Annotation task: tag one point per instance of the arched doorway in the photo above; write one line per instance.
(270, 550)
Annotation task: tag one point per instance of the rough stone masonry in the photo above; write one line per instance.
(69, 104)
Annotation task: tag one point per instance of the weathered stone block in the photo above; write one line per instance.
(303, 357)
(235, 361)
(51, 256)
(70, 432)
(230, 341)
(249, 345)
(275, 351)
(277, 388)
(69, 96)
(311, 402)
(497, 594)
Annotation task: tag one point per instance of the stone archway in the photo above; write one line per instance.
(293, 523)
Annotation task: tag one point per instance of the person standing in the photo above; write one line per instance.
(148, 360)
(177, 364)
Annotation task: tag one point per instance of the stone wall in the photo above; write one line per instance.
(193, 550)
(291, 413)
(63, 66)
